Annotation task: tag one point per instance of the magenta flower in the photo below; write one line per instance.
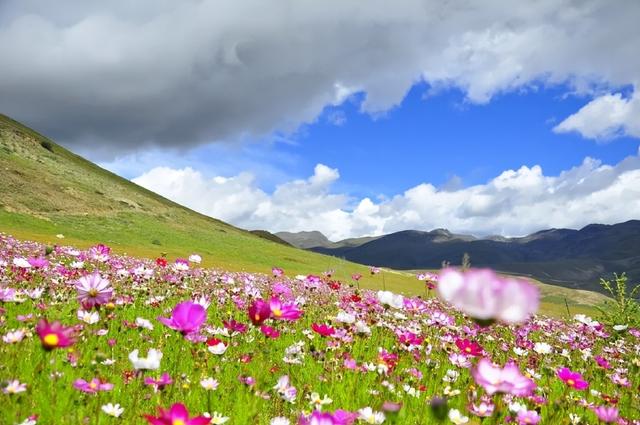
(483, 295)
(602, 362)
(54, 335)
(502, 380)
(92, 386)
(38, 262)
(177, 415)
(93, 290)
(322, 329)
(259, 311)
(284, 311)
(607, 414)
(339, 417)
(572, 379)
(527, 417)
(159, 384)
(269, 332)
(234, 326)
(186, 317)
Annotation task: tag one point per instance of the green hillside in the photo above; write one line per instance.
(46, 190)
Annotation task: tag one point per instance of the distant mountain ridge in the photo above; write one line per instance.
(568, 257)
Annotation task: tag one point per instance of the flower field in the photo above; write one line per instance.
(90, 337)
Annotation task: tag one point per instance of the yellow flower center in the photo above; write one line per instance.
(571, 382)
(93, 292)
(93, 385)
(257, 316)
(277, 312)
(51, 340)
(468, 349)
(177, 422)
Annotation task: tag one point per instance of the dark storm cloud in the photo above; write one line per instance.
(114, 76)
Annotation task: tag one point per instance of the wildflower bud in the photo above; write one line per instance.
(439, 408)
(110, 306)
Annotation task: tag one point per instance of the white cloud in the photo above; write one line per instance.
(516, 202)
(605, 117)
(119, 75)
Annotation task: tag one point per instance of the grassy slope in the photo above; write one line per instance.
(48, 192)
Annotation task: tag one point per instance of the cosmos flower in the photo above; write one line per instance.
(607, 414)
(160, 383)
(469, 348)
(54, 335)
(176, 415)
(87, 317)
(14, 387)
(269, 332)
(504, 380)
(390, 299)
(527, 417)
(113, 410)
(457, 418)
(284, 311)
(277, 271)
(368, 415)
(13, 337)
(572, 379)
(151, 362)
(93, 290)
(92, 386)
(485, 296)
(322, 329)
(195, 258)
(186, 317)
(259, 311)
(209, 384)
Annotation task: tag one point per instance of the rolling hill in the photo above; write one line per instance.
(566, 257)
(47, 190)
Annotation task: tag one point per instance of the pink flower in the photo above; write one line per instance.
(572, 379)
(92, 386)
(259, 311)
(483, 295)
(38, 262)
(54, 335)
(159, 384)
(602, 362)
(269, 332)
(177, 415)
(186, 317)
(527, 417)
(284, 311)
(504, 380)
(93, 290)
(234, 326)
(339, 417)
(469, 348)
(322, 330)
(606, 414)
(277, 271)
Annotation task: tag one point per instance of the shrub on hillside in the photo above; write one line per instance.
(622, 309)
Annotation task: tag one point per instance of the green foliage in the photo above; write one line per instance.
(47, 145)
(623, 308)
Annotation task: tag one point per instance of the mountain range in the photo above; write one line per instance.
(567, 257)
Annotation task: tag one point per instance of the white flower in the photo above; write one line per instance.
(144, 323)
(390, 299)
(362, 328)
(315, 400)
(13, 337)
(14, 387)
(217, 418)
(586, 320)
(60, 236)
(575, 419)
(77, 265)
(195, 258)
(450, 392)
(209, 384)
(367, 415)
(457, 418)
(21, 263)
(344, 317)
(620, 327)
(451, 376)
(520, 351)
(87, 317)
(280, 421)
(217, 349)
(112, 410)
(515, 407)
(151, 362)
(542, 348)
